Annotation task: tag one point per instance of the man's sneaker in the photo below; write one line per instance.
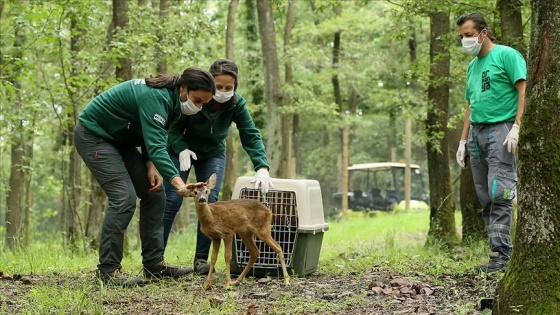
(163, 270)
(494, 265)
(201, 266)
(118, 278)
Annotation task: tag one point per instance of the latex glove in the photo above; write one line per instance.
(185, 159)
(512, 139)
(262, 179)
(461, 152)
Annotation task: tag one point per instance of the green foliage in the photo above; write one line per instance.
(374, 60)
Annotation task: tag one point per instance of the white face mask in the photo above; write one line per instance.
(188, 108)
(471, 45)
(222, 97)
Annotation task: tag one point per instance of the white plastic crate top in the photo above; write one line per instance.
(308, 200)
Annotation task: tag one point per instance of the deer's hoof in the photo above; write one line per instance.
(287, 280)
(206, 285)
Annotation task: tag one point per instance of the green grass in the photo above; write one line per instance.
(393, 242)
(396, 239)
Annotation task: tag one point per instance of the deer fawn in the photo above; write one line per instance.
(221, 220)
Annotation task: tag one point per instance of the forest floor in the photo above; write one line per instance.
(367, 265)
(376, 290)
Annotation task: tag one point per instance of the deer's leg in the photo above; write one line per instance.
(267, 238)
(253, 255)
(228, 244)
(215, 250)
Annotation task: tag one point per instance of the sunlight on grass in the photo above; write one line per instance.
(395, 240)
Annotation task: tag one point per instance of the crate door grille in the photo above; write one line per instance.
(284, 229)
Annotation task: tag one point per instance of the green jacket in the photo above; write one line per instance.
(131, 114)
(206, 133)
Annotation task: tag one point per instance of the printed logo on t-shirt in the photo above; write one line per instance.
(139, 81)
(159, 119)
(485, 80)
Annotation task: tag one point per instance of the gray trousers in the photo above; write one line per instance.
(122, 174)
(495, 179)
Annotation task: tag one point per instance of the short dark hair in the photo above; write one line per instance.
(479, 23)
(224, 66)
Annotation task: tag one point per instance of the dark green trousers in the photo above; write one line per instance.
(122, 174)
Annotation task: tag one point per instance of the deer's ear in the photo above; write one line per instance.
(211, 181)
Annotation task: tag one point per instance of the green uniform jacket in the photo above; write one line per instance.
(134, 114)
(205, 133)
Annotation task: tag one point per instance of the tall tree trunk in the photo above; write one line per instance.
(343, 171)
(28, 153)
(120, 21)
(16, 192)
(254, 60)
(272, 82)
(230, 174)
(530, 286)
(474, 228)
(71, 181)
(163, 18)
(298, 162)
(511, 24)
(97, 200)
(442, 205)
(95, 208)
(393, 132)
(286, 154)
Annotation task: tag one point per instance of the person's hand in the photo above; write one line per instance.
(512, 139)
(461, 152)
(262, 180)
(199, 184)
(153, 177)
(185, 159)
(184, 191)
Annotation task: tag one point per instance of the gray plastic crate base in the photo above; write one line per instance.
(301, 247)
(304, 261)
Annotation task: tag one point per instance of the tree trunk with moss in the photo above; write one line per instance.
(531, 284)
(442, 206)
(511, 24)
(474, 228)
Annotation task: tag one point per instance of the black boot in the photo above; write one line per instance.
(118, 278)
(163, 270)
(497, 263)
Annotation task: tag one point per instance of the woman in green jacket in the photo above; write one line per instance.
(205, 134)
(137, 113)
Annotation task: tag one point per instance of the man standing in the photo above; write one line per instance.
(495, 94)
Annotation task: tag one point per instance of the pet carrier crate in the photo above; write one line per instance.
(298, 224)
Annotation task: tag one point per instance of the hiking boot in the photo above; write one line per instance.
(118, 278)
(163, 270)
(494, 265)
(201, 266)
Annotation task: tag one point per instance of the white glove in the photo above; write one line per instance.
(512, 138)
(262, 179)
(185, 159)
(461, 151)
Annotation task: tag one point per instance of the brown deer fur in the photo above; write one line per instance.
(221, 220)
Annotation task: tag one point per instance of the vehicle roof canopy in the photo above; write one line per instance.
(383, 166)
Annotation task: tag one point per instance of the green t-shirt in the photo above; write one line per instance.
(491, 85)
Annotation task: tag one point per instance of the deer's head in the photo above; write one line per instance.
(199, 191)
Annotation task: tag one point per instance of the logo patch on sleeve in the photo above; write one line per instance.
(159, 119)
